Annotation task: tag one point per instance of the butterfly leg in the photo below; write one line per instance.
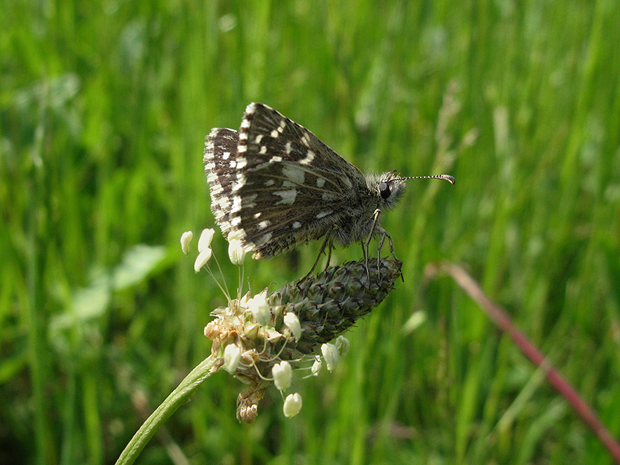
(365, 252)
(385, 234)
(377, 229)
(330, 247)
(327, 243)
(373, 228)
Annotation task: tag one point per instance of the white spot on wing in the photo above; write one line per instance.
(308, 159)
(305, 139)
(240, 182)
(275, 134)
(264, 224)
(288, 197)
(293, 173)
(236, 204)
(296, 225)
(251, 108)
(263, 150)
(320, 182)
(323, 214)
(265, 238)
(275, 159)
(238, 234)
(209, 147)
(223, 203)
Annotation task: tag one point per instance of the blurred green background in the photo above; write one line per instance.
(104, 106)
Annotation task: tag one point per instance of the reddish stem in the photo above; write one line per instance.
(504, 322)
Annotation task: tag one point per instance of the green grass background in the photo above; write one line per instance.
(104, 107)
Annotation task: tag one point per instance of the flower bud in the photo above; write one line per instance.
(186, 239)
(282, 375)
(260, 309)
(236, 252)
(206, 236)
(330, 355)
(292, 405)
(291, 320)
(232, 356)
(203, 257)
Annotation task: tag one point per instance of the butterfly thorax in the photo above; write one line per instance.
(380, 192)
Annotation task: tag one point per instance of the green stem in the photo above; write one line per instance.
(176, 398)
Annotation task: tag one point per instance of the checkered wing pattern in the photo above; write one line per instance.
(274, 184)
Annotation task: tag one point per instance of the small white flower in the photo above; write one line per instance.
(282, 375)
(245, 299)
(292, 405)
(203, 257)
(236, 252)
(330, 354)
(343, 345)
(186, 239)
(260, 308)
(206, 236)
(291, 320)
(316, 366)
(232, 356)
(251, 330)
(271, 335)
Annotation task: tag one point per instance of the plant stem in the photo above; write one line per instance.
(501, 319)
(176, 398)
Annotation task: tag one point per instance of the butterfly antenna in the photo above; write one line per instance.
(445, 177)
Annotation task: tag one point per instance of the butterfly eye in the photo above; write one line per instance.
(384, 190)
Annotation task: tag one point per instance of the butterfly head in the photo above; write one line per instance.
(388, 187)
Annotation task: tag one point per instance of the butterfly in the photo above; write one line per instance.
(275, 185)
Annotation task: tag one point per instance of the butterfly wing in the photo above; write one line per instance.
(286, 186)
(220, 165)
